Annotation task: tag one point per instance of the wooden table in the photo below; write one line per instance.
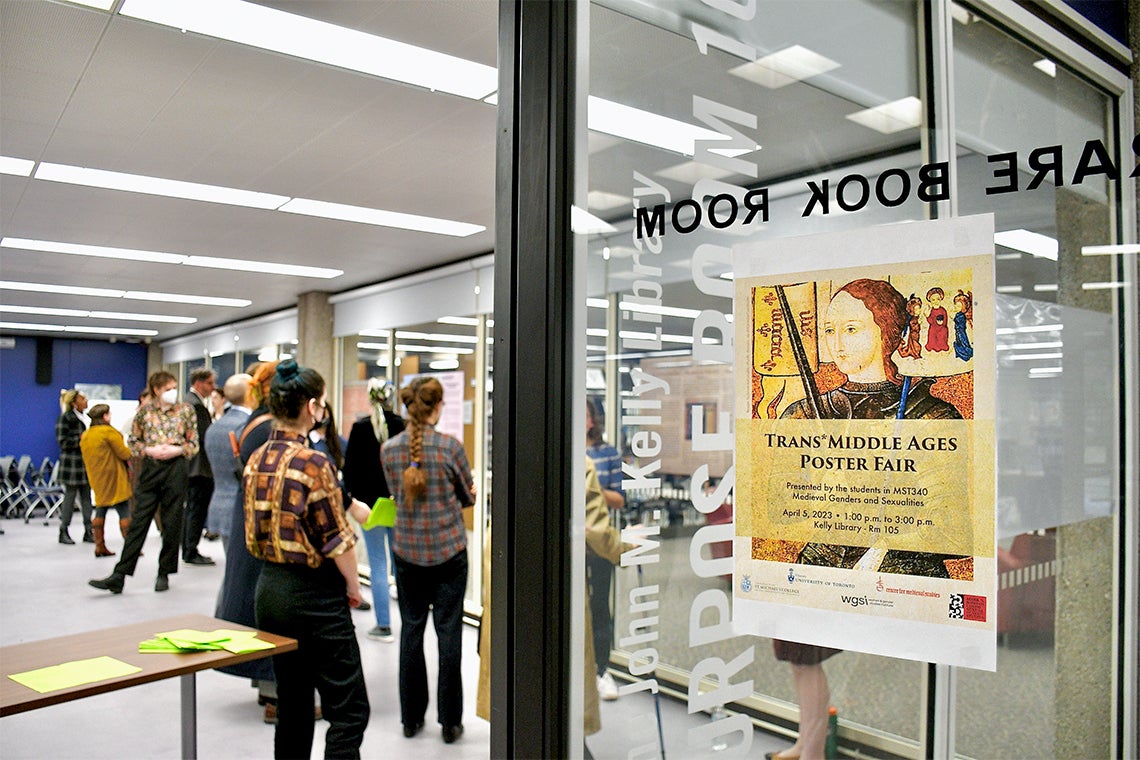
(122, 643)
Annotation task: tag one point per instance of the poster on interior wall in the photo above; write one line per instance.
(451, 417)
(865, 467)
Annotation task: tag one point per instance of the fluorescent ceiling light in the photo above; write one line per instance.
(582, 222)
(647, 128)
(78, 329)
(1033, 243)
(98, 251)
(1046, 66)
(1103, 285)
(600, 200)
(1034, 357)
(125, 315)
(792, 64)
(373, 346)
(597, 332)
(138, 183)
(597, 303)
(890, 117)
(1046, 370)
(375, 333)
(1029, 329)
(692, 172)
(138, 295)
(67, 290)
(380, 218)
(1109, 250)
(18, 167)
(439, 337)
(1048, 287)
(290, 34)
(434, 349)
(668, 311)
(444, 364)
(146, 295)
(1030, 346)
(170, 188)
(468, 321)
(1009, 288)
(262, 267)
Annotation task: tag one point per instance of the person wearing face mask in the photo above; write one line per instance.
(69, 428)
(164, 435)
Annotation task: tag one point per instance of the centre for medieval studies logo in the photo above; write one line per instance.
(746, 584)
(791, 575)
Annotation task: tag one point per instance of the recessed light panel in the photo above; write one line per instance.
(892, 117)
(291, 34)
(792, 64)
(17, 167)
(170, 188)
(380, 218)
(1033, 243)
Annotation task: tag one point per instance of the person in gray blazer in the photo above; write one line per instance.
(220, 454)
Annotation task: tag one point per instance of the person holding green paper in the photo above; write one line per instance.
(295, 521)
(364, 479)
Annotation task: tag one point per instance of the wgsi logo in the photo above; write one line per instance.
(854, 601)
(746, 584)
(791, 575)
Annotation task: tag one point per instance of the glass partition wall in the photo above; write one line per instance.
(450, 349)
(813, 117)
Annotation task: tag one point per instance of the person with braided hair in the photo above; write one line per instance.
(431, 482)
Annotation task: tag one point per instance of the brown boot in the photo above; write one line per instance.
(124, 526)
(101, 549)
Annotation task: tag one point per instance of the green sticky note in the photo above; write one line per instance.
(75, 673)
(251, 644)
(194, 636)
(383, 514)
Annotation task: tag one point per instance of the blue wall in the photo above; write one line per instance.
(28, 411)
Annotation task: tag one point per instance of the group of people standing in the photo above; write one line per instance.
(281, 507)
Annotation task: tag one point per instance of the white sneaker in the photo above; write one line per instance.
(607, 689)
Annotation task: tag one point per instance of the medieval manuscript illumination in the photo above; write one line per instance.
(865, 465)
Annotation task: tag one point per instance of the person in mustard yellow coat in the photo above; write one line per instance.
(105, 457)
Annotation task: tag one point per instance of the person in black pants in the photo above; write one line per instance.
(164, 436)
(295, 521)
(432, 482)
(201, 484)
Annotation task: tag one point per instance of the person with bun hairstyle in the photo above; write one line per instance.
(295, 521)
(431, 482)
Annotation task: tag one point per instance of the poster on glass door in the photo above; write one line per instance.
(865, 441)
(451, 416)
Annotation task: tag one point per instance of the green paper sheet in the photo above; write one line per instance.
(383, 514)
(189, 640)
(75, 673)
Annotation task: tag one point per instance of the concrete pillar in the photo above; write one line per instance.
(316, 347)
(1083, 644)
(1083, 591)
